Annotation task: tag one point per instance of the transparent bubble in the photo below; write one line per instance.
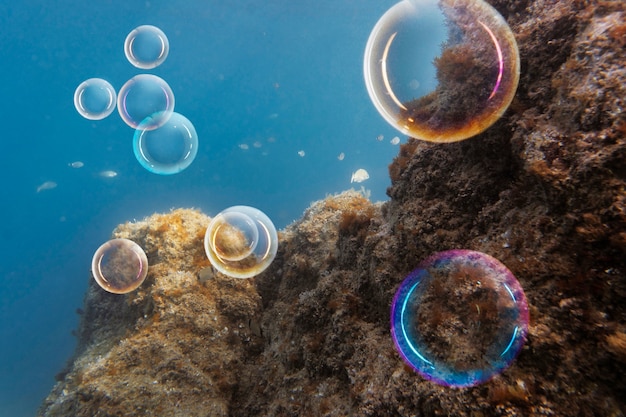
(168, 149)
(146, 47)
(94, 99)
(441, 70)
(145, 99)
(241, 242)
(460, 318)
(119, 266)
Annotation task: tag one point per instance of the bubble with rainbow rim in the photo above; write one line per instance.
(441, 70)
(459, 318)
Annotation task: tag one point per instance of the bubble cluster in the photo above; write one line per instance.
(147, 100)
(146, 47)
(460, 318)
(169, 149)
(241, 242)
(146, 103)
(94, 99)
(119, 266)
(441, 70)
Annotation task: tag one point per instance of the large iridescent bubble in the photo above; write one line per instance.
(441, 70)
(241, 242)
(460, 318)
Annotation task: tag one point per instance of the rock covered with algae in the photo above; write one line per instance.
(543, 191)
(177, 340)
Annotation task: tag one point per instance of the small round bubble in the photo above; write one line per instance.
(119, 266)
(460, 318)
(168, 149)
(94, 99)
(241, 242)
(146, 47)
(441, 70)
(147, 100)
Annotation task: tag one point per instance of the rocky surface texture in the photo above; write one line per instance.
(543, 191)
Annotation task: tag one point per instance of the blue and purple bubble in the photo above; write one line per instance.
(460, 318)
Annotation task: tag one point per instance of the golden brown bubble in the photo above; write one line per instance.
(119, 266)
(241, 242)
(441, 70)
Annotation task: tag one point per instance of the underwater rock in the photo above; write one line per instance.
(175, 339)
(542, 190)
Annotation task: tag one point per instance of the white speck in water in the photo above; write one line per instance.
(359, 175)
(48, 185)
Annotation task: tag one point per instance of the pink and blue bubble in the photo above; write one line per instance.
(459, 318)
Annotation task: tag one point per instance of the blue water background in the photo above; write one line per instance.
(242, 71)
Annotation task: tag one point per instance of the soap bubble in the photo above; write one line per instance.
(145, 99)
(441, 70)
(460, 318)
(169, 149)
(146, 47)
(241, 242)
(94, 99)
(119, 266)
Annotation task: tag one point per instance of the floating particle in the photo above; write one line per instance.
(271, 139)
(241, 242)
(48, 185)
(169, 149)
(359, 175)
(146, 47)
(94, 99)
(76, 164)
(147, 100)
(273, 116)
(380, 138)
(460, 318)
(257, 144)
(119, 266)
(441, 70)
(243, 146)
(341, 156)
(108, 174)
(301, 153)
(395, 140)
